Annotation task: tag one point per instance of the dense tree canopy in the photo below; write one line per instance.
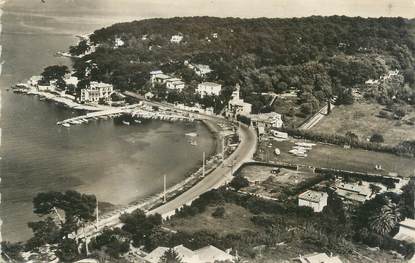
(325, 56)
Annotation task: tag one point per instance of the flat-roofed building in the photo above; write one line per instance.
(158, 77)
(174, 84)
(209, 89)
(314, 199)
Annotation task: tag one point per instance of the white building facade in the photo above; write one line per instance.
(209, 89)
(96, 91)
(174, 84)
(314, 199)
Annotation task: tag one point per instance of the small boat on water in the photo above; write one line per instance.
(137, 121)
(194, 143)
(42, 98)
(277, 151)
(67, 125)
(126, 122)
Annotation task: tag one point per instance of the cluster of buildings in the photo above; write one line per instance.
(204, 89)
(390, 75)
(159, 78)
(263, 122)
(208, 254)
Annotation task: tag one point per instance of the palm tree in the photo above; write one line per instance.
(385, 219)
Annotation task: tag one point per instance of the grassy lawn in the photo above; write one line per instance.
(361, 119)
(333, 156)
(236, 219)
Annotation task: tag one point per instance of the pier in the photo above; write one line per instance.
(138, 111)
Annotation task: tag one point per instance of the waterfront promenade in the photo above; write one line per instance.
(218, 177)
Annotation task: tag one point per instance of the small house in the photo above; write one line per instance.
(314, 199)
(176, 39)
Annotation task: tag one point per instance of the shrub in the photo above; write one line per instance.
(239, 182)
(377, 138)
(219, 212)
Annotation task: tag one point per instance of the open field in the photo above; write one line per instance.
(236, 219)
(361, 119)
(333, 156)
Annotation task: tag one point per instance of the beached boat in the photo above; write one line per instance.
(137, 121)
(277, 151)
(191, 134)
(126, 122)
(67, 125)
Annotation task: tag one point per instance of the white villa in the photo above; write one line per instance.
(314, 199)
(174, 84)
(237, 106)
(208, 254)
(176, 38)
(209, 89)
(158, 77)
(96, 91)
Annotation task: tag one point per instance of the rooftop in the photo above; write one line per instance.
(212, 84)
(265, 116)
(212, 254)
(408, 223)
(318, 258)
(100, 84)
(312, 196)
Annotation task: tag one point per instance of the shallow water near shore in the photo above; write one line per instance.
(118, 163)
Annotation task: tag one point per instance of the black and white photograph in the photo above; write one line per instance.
(207, 131)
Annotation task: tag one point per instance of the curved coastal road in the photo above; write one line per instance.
(218, 177)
